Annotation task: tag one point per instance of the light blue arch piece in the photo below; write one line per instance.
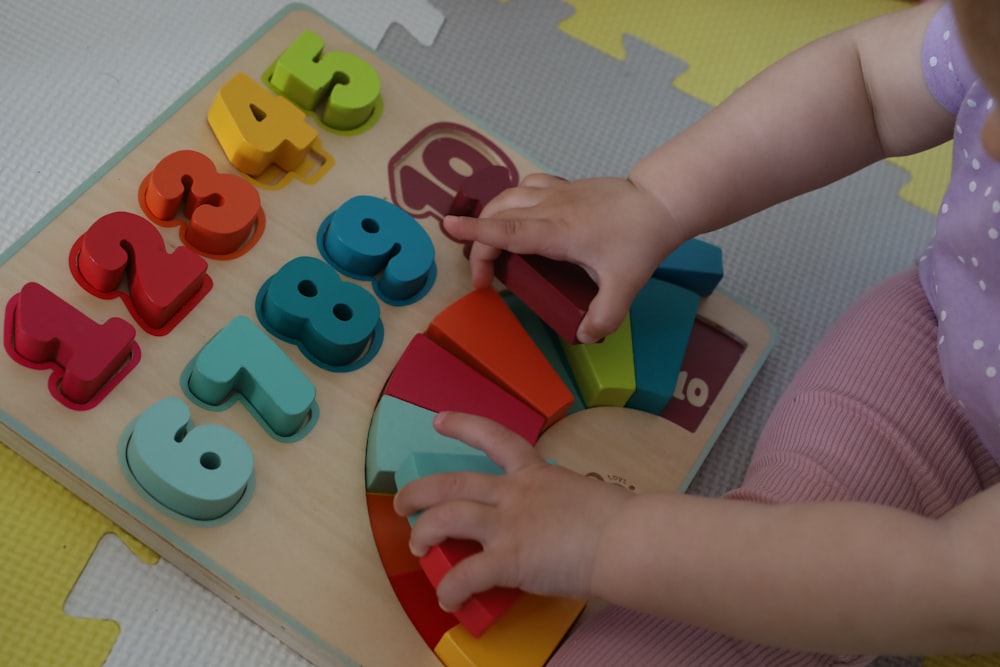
(423, 464)
(397, 429)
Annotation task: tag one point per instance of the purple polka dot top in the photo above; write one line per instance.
(960, 270)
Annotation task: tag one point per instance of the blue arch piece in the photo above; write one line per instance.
(695, 264)
(662, 319)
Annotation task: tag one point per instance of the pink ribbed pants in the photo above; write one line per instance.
(867, 418)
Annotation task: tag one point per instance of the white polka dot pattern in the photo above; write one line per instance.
(960, 270)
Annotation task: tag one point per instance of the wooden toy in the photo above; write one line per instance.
(158, 296)
(392, 536)
(418, 598)
(522, 636)
(421, 464)
(367, 237)
(480, 611)
(547, 341)
(222, 213)
(662, 317)
(605, 371)
(480, 329)
(341, 87)
(240, 363)
(712, 354)
(397, 429)
(695, 264)
(558, 292)
(429, 376)
(201, 472)
(87, 359)
(221, 412)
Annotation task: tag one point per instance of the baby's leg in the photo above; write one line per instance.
(867, 418)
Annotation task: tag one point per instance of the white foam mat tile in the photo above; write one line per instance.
(174, 622)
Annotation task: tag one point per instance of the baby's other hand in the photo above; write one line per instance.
(540, 525)
(616, 231)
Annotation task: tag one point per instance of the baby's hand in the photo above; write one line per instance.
(540, 525)
(616, 231)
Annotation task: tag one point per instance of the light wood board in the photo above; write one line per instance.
(300, 558)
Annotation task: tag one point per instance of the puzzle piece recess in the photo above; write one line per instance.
(480, 188)
(710, 357)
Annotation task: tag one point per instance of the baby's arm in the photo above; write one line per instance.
(825, 577)
(827, 110)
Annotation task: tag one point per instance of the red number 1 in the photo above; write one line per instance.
(87, 358)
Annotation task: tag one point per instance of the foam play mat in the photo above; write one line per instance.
(577, 88)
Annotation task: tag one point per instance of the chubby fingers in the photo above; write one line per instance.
(607, 309)
(491, 236)
(475, 574)
(501, 445)
(459, 505)
(504, 447)
(511, 221)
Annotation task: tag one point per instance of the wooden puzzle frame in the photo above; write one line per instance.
(300, 559)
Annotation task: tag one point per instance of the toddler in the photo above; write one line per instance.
(869, 519)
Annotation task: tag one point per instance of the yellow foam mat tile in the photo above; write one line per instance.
(47, 535)
(727, 42)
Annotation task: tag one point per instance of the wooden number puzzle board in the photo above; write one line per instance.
(300, 558)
